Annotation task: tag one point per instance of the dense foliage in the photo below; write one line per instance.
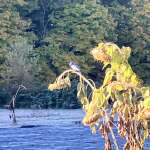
(38, 38)
(130, 100)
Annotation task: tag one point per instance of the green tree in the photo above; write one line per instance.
(11, 26)
(14, 48)
(39, 10)
(20, 65)
(76, 28)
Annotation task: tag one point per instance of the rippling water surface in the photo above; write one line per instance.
(49, 130)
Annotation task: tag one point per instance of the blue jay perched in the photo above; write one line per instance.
(74, 66)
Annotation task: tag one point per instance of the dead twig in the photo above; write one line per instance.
(11, 105)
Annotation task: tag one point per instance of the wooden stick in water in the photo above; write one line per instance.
(11, 105)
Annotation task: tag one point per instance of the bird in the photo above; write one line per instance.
(74, 66)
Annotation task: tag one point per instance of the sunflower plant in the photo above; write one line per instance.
(130, 100)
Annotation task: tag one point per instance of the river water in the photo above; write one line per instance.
(49, 130)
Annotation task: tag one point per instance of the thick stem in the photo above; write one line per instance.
(79, 74)
(112, 133)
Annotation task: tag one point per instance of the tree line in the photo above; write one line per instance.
(39, 38)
